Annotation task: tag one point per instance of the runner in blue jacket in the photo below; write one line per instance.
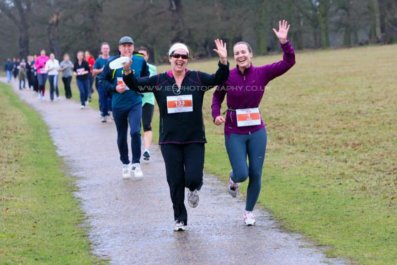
(126, 106)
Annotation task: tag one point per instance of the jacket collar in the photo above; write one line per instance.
(171, 75)
(247, 70)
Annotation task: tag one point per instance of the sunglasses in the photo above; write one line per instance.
(177, 56)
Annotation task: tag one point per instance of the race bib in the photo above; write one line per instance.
(248, 117)
(80, 71)
(120, 82)
(178, 104)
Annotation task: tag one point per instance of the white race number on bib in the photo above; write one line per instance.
(248, 117)
(178, 104)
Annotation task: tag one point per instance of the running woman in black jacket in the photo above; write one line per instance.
(179, 94)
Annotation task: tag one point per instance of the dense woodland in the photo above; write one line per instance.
(26, 26)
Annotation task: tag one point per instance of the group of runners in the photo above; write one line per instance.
(179, 93)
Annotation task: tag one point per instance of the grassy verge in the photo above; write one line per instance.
(40, 220)
(331, 163)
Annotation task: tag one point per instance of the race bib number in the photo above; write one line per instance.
(178, 104)
(248, 117)
(80, 71)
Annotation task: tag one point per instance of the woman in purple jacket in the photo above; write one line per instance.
(245, 132)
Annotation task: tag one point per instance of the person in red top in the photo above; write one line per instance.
(91, 61)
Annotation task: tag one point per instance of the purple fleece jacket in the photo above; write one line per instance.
(246, 90)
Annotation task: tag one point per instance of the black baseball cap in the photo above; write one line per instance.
(125, 40)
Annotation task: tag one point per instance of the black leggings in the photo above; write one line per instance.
(184, 165)
(147, 115)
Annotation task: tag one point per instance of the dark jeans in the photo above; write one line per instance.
(31, 80)
(53, 80)
(91, 82)
(238, 147)
(35, 83)
(184, 165)
(42, 78)
(66, 82)
(105, 100)
(83, 85)
(132, 117)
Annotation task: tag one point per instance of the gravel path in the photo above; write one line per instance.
(130, 222)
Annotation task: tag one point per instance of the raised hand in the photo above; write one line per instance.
(282, 32)
(221, 50)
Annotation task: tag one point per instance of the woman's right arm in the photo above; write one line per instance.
(145, 84)
(217, 99)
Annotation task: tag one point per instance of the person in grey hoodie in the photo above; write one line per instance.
(66, 67)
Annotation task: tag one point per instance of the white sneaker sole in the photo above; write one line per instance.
(137, 176)
(250, 223)
(126, 176)
(180, 229)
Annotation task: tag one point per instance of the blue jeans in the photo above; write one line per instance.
(105, 100)
(9, 75)
(132, 117)
(253, 146)
(83, 85)
(53, 80)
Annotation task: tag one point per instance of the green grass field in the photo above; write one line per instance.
(40, 220)
(331, 164)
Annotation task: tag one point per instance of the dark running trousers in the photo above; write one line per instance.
(184, 165)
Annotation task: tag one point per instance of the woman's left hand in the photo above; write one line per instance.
(282, 32)
(221, 50)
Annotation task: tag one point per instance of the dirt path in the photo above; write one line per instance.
(131, 221)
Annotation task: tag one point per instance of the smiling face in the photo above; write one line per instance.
(80, 56)
(242, 55)
(52, 56)
(126, 49)
(105, 50)
(179, 64)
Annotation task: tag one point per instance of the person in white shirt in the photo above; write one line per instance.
(52, 68)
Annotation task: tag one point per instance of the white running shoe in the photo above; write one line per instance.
(249, 218)
(193, 198)
(136, 170)
(179, 226)
(126, 171)
(103, 119)
(82, 107)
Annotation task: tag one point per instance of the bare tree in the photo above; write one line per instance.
(18, 11)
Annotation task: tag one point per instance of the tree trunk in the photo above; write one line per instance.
(19, 14)
(323, 23)
(53, 37)
(23, 42)
(376, 31)
(263, 22)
